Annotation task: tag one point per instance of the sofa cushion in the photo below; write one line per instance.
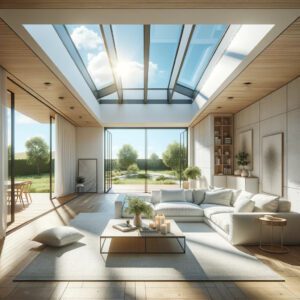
(188, 195)
(235, 195)
(244, 205)
(265, 203)
(172, 196)
(125, 214)
(199, 195)
(219, 197)
(178, 209)
(222, 220)
(156, 196)
(212, 209)
(284, 205)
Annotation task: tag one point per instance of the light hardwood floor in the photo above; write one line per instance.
(18, 250)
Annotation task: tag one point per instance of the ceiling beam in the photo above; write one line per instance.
(185, 39)
(108, 39)
(146, 59)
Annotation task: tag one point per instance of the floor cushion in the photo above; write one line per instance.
(178, 209)
(222, 220)
(211, 209)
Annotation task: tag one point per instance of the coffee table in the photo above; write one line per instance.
(110, 233)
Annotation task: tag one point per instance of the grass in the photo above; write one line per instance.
(40, 184)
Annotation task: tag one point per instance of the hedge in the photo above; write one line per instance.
(22, 168)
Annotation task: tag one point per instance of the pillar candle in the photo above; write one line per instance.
(162, 219)
(168, 223)
(152, 225)
(163, 228)
(157, 222)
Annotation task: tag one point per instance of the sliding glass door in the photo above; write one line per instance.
(144, 159)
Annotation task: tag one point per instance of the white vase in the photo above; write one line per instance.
(244, 173)
(237, 172)
(137, 220)
(192, 184)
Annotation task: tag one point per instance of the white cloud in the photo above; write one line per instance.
(99, 69)
(85, 38)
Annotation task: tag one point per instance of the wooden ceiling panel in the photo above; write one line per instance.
(128, 4)
(274, 67)
(25, 68)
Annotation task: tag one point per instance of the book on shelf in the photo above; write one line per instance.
(124, 227)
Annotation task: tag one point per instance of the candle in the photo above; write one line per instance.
(162, 219)
(163, 228)
(157, 222)
(152, 225)
(168, 223)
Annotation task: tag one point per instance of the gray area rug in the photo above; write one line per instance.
(208, 257)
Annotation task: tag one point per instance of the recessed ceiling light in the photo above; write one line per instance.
(72, 107)
(61, 98)
(230, 98)
(219, 107)
(47, 83)
(247, 83)
(80, 117)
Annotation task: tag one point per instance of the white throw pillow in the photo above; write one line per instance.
(59, 236)
(235, 195)
(199, 195)
(172, 195)
(188, 194)
(265, 203)
(244, 205)
(219, 197)
(243, 197)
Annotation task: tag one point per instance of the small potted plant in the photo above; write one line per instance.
(192, 174)
(80, 183)
(242, 161)
(137, 207)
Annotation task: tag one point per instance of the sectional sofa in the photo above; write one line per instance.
(232, 213)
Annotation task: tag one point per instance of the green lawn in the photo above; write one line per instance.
(40, 184)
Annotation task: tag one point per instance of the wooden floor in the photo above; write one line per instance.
(40, 204)
(17, 250)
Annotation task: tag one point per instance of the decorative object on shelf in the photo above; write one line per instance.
(242, 161)
(138, 207)
(192, 173)
(272, 164)
(245, 145)
(237, 172)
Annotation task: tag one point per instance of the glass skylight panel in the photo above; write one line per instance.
(157, 94)
(129, 41)
(133, 94)
(205, 40)
(89, 44)
(113, 96)
(164, 41)
(246, 39)
(179, 96)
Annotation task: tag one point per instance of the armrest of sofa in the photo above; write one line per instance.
(244, 228)
(119, 202)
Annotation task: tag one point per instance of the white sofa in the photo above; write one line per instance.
(233, 214)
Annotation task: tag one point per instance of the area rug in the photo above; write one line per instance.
(208, 257)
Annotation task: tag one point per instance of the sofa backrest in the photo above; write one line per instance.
(172, 195)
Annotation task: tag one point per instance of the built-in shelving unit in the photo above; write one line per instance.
(223, 145)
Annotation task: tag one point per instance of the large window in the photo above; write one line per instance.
(144, 159)
(31, 153)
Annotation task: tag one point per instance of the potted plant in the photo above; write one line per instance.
(80, 183)
(242, 161)
(192, 174)
(137, 207)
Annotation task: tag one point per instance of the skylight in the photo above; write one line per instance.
(158, 63)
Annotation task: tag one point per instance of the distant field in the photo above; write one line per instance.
(22, 155)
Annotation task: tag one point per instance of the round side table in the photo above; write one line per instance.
(273, 247)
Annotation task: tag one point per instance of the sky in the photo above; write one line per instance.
(158, 140)
(25, 129)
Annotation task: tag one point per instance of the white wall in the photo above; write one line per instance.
(277, 112)
(203, 145)
(90, 141)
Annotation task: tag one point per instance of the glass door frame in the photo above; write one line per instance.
(181, 142)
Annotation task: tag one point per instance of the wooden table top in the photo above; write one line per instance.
(275, 222)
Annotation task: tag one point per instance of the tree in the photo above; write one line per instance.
(37, 152)
(133, 169)
(174, 156)
(154, 156)
(127, 156)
